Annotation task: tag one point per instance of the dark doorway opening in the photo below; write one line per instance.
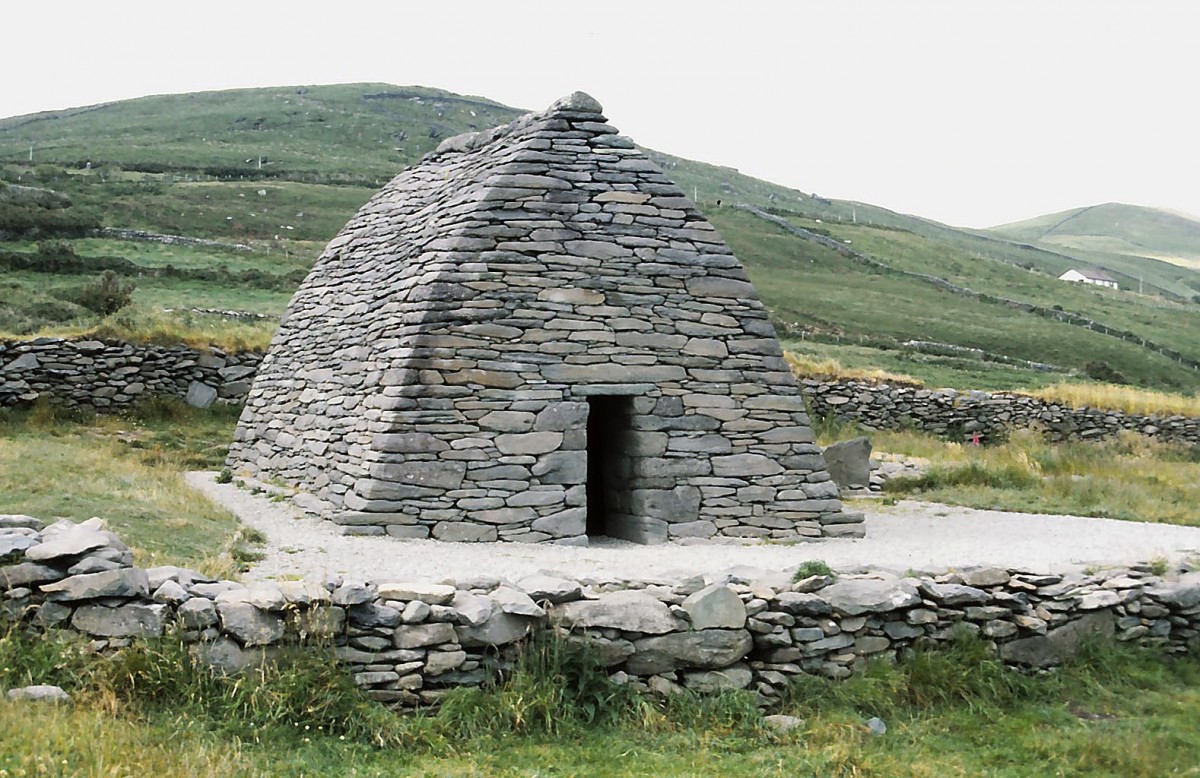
(608, 466)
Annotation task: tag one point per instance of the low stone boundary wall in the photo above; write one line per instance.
(110, 375)
(406, 643)
(951, 413)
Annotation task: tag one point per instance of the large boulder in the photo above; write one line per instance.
(849, 463)
(125, 621)
(856, 596)
(630, 611)
(716, 606)
(249, 624)
(705, 649)
(1181, 594)
(1060, 643)
(125, 582)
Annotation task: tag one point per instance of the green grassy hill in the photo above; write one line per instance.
(1145, 244)
(280, 170)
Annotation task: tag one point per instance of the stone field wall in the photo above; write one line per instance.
(952, 413)
(111, 375)
(406, 643)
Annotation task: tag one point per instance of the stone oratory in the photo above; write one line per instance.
(533, 335)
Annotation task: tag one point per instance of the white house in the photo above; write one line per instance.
(1090, 276)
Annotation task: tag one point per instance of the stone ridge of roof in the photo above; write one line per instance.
(577, 105)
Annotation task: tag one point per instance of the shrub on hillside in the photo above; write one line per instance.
(109, 293)
(1102, 371)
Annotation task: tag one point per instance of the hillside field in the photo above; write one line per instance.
(278, 171)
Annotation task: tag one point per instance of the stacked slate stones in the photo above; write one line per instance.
(112, 375)
(436, 373)
(993, 415)
(407, 642)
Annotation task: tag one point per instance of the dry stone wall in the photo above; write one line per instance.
(437, 372)
(407, 643)
(951, 413)
(111, 375)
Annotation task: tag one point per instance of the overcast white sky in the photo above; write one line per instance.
(972, 113)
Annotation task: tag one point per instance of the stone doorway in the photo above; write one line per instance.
(609, 471)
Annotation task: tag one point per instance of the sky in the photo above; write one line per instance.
(974, 113)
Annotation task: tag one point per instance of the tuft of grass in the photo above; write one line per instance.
(806, 366)
(1129, 476)
(1120, 398)
(810, 568)
(555, 686)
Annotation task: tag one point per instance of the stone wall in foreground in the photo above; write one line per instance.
(111, 375)
(992, 415)
(406, 643)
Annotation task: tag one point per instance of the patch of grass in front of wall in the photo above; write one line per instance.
(1130, 476)
(126, 469)
(1115, 711)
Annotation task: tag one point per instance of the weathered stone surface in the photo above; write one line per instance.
(630, 611)
(27, 573)
(20, 521)
(438, 662)
(509, 600)
(68, 543)
(849, 462)
(499, 629)
(433, 594)
(11, 544)
(198, 613)
(250, 625)
(803, 604)
(954, 594)
(1060, 643)
(716, 606)
(126, 582)
(38, 693)
(200, 395)
(550, 588)
(472, 609)
(124, 621)
(985, 576)
(224, 656)
(714, 681)
(422, 635)
(710, 648)
(1181, 594)
(855, 596)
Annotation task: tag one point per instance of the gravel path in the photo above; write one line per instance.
(910, 535)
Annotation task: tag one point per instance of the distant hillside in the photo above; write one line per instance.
(282, 169)
(1114, 228)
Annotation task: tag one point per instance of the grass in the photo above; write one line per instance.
(127, 470)
(1129, 477)
(807, 286)
(1121, 398)
(1112, 712)
(809, 367)
(247, 165)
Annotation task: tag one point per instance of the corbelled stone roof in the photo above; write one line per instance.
(432, 374)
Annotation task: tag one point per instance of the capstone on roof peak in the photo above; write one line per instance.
(581, 102)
